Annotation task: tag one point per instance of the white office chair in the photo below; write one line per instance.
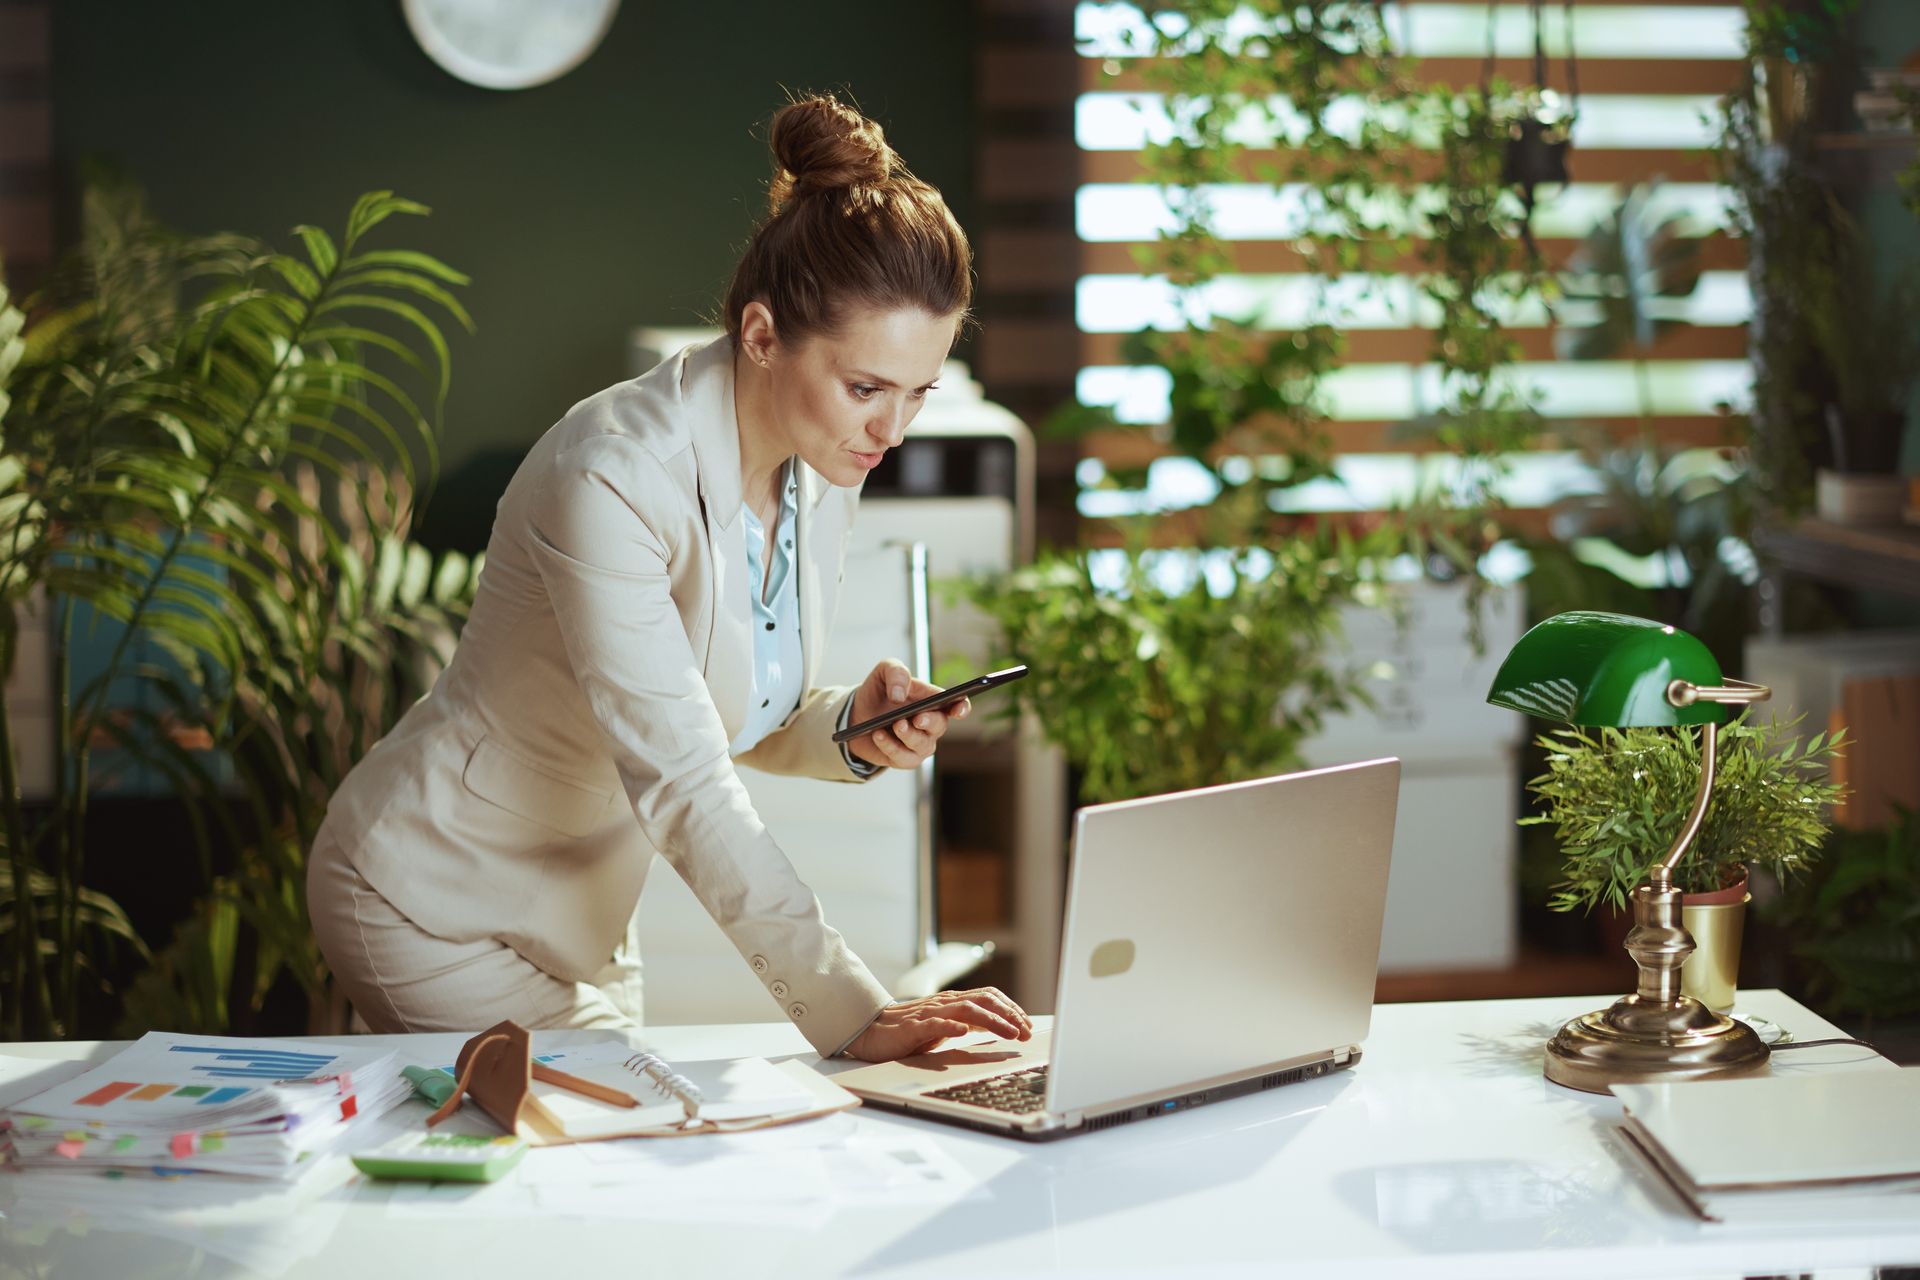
(866, 850)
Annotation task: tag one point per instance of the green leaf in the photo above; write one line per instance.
(374, 208)
(319, 248)
(411, 281)
(406, 311)
(297, 275)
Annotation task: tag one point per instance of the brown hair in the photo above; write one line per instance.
(846, 225)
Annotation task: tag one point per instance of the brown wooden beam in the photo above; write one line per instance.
(1038, 165)
(1718, 252)
(1597, 75)
(1019, 260)
(1136, 447)
(1187, 528)
(1050, 350)
(1415, 346)
(26, 145)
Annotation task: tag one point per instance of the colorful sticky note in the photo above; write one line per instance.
(183, 1144)
(125, 1143)
(70, 1149)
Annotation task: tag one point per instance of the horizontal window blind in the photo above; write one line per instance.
(1649, 76)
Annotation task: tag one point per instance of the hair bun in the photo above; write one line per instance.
(820, 145)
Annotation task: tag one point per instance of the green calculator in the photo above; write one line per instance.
(453, 1157)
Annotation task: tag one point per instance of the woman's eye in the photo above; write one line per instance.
(863, 392)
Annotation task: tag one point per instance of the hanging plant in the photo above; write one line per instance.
(1205, 646)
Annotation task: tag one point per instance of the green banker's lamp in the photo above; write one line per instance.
(1615, 671)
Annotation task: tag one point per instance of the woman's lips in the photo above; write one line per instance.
(869, 460)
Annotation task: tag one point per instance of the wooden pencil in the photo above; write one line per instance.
(574, 1084)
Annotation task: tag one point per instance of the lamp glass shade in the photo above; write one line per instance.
(1606, 669)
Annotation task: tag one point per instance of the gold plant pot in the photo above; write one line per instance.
(1716, 920)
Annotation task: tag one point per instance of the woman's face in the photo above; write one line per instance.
(840, 401)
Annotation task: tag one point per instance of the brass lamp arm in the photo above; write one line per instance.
(1684, 693)
(1662, 875)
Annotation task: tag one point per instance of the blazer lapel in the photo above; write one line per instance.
(706, 380)
(811, 486)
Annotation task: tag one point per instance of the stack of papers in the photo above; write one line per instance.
(1843, 1146)
(206, 1104)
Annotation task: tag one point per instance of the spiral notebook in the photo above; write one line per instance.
(729, 1090)
(613, 1091)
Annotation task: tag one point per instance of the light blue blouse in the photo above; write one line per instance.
(779, 671)
(777, 668)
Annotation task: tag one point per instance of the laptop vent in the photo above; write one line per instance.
(1279, 1078)
(1107, 1122)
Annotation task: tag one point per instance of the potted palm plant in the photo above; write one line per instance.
(1618, 797)
(159, 402)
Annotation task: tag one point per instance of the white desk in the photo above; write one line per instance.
(1443, 1154)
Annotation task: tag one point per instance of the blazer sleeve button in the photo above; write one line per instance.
(779, 989)
(796, 1010)
(759, 964)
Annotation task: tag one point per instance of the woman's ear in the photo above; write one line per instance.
(757, 337)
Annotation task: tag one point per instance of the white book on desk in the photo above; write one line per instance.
(1844, 1145)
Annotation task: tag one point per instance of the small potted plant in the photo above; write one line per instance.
(1618, 797)
(1865, 323)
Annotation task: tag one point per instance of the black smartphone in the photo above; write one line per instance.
(979, 684)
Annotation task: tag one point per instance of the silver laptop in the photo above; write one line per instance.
(1218, 942)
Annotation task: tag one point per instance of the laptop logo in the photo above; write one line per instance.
(1111, 958)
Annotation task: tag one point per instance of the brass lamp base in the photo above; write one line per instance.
(1657, 1033)
(1640, 1043)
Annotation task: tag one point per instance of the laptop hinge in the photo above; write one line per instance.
(1341, 1056)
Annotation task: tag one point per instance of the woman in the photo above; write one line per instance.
(661, 571)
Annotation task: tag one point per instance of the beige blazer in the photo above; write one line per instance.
(583, 723)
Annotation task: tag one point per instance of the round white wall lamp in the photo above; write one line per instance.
(509, 44)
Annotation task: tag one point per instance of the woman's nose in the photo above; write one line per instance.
(891, 426)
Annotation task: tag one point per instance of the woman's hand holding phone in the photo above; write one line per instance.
(904, 744)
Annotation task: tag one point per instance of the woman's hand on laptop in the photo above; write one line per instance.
(915, 1026)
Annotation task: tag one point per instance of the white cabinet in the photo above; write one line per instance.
(1452, 895)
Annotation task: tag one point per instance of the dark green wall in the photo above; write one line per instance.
(618, 195)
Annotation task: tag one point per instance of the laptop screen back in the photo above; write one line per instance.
(1213, 932)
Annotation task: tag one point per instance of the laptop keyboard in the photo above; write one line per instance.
(1017, 1092)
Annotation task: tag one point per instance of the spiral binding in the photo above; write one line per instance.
(665, 1079)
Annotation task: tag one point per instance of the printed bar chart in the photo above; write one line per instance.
(256, 1064)
(248, 1063)
(125, 1091)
